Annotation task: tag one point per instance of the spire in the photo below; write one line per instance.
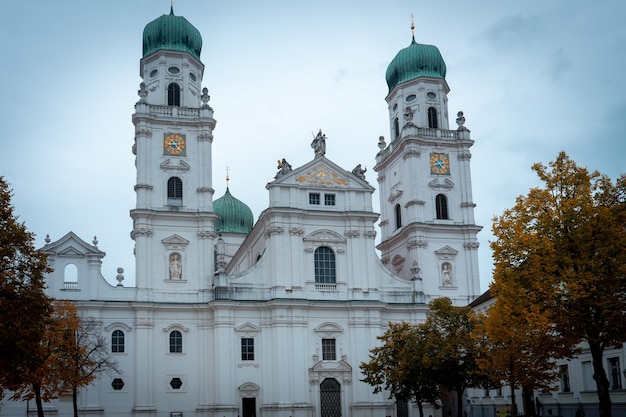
(172, 7)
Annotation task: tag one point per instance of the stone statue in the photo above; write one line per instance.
(460, 120)
(408, 115)
(176, 268)
(283, 167)
(381, 143)
(359, 172)
(142, 92)
(319, 144)
(446, 272)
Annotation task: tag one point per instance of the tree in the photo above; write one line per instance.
(516, 346)
(84, 354)
(420, 362)
(398, 366)
(563, 247)
(25, 310)
(452, 349)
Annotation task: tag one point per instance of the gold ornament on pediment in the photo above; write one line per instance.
(321, 175)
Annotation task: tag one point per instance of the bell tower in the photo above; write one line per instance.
(428, 232)
(173, 221)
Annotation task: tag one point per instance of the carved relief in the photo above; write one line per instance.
(465, 156)
(141, 231)
(416, 243)
(205, 136)
(296, 231)
(370, 234)
(353, 233)
(142, 131)
(414, 202)
(274, 230)
(321, 175)
(174, 165)
(411, 153)
(204, 234)
(471, 245)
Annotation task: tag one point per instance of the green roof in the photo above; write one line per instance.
(172, 33)
(232, 215)
(415, 61)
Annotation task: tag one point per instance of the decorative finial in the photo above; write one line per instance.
(227, 177)
(95, 241)
(412, 26)
(47, 239)
(172, 7)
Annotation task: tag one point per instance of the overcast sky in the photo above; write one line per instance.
(533, 78)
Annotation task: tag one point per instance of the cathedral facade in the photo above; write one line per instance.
(235, 318)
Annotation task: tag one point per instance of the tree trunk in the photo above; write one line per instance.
(602, 382)
(420, 408)
(459, 402)
(37, 391)
(513, 401)
(528, 401)
(74, 401)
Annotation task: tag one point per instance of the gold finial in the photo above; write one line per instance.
(412, 25)
(171, 7)
(227, 177)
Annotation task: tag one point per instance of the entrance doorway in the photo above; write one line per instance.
(248, 406)
(330, 398)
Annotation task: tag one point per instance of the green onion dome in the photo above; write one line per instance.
(415, 61)
(232, 215)
(173, 33)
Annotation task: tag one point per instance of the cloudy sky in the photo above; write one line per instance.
(533, 78)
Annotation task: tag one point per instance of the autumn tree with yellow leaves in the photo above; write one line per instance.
(560, 261)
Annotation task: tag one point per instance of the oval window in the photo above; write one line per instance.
(173, 70)
(153, 73)
(395, 107)
(192, 76)
(410, 98)
(431, 95)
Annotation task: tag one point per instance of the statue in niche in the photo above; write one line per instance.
(359, 172)
(446, 273)
(408, 116)
(319, 143)
(176, 268)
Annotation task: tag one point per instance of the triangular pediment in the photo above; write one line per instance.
(446, 252)
(174, 165)
(175, 241)
(247, 328)
(321, 172)
(71, 245)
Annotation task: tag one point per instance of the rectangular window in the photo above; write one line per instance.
(588, 382)
(564, 372)
(329, 199)
(247, 349)
(615, 375)
(314, 198)
(328, 350)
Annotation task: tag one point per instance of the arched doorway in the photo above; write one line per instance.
(330, 398)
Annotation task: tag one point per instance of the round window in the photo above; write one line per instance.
(153, 73)
(173, 70)
(410, 98)
(192, 76)
(431, 95)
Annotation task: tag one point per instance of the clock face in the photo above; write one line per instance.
(174, 144)
(439, 163)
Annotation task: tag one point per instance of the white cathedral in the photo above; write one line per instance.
(231, 318)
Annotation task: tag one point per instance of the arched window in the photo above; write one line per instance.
(432, 118)
(173, 95)
(398, 213)
(396, 129)
(117, 341)
(174, 192)
(325, 265)
(70, 277)
(176, 342)
(441, 206)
